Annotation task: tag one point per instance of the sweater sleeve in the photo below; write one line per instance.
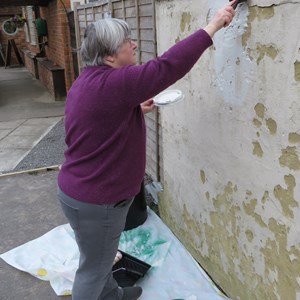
(139, 83)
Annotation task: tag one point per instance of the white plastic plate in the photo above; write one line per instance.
(168, 97)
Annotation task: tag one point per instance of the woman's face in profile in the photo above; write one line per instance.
(126, 55)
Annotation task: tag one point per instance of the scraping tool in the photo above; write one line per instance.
(237, 3)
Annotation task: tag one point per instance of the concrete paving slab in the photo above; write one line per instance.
(24, 97)
(28, 209)
(19, 142)
(11, 124)
(9, 158)
(12, 142)
(4, 133)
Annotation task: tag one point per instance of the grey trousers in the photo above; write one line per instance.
(97, 231)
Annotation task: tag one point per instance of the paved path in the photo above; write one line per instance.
(27, 113)
(18, 137)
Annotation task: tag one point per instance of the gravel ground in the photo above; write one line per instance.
(50, 152)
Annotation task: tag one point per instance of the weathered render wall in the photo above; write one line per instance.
(231, 147)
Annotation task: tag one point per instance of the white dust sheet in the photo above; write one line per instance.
(174, 273)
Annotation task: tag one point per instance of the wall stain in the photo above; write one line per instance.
(297, 70)
(294, 138)
(272, 126)
(202, 175)
(289, 158)
(264, 50)
(185, 21)
(286, 268)
(260, 110)
(250, 211)
(286, 196)
(257, 150)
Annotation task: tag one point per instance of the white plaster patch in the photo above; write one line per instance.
(233, 67)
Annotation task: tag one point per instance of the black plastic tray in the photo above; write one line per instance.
(129, 270)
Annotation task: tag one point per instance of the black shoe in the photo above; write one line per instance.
(131, 293)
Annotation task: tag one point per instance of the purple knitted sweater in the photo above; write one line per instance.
(105, 127)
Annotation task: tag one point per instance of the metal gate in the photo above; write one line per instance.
(140, 15)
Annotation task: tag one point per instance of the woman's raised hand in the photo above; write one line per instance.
(221, 19)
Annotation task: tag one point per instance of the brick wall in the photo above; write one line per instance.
(5, 14)
(59, 44)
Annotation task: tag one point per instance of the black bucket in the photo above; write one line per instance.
(137, 213)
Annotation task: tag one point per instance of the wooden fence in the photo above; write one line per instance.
(140, 15)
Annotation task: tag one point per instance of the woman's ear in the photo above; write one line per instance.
(110, 59)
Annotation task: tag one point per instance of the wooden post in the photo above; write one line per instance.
(138, 29)
(12, 45)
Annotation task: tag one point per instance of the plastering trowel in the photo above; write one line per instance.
(237, 3)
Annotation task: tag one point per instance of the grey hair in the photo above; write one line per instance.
(101, 39)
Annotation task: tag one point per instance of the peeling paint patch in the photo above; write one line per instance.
(260, 110)
(272, 126)
(185, 21)
(286, 196)
(289, 158)
(249, 235)
(286, 284)
(202, 175)
(294, 138)
(257, 150)
(297, 70)
(261, 13)
(257, 123)
(265, 197)
(264, 50)
(250, 211)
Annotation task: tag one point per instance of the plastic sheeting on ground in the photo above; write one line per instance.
(174, 273)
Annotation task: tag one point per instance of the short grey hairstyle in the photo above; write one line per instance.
(103, 38)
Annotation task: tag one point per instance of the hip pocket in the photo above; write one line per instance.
(71, 214)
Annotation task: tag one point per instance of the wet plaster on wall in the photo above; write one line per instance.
(231, 61)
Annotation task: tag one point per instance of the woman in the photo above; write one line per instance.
(105, 134)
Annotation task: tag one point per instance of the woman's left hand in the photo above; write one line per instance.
(147, 106)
